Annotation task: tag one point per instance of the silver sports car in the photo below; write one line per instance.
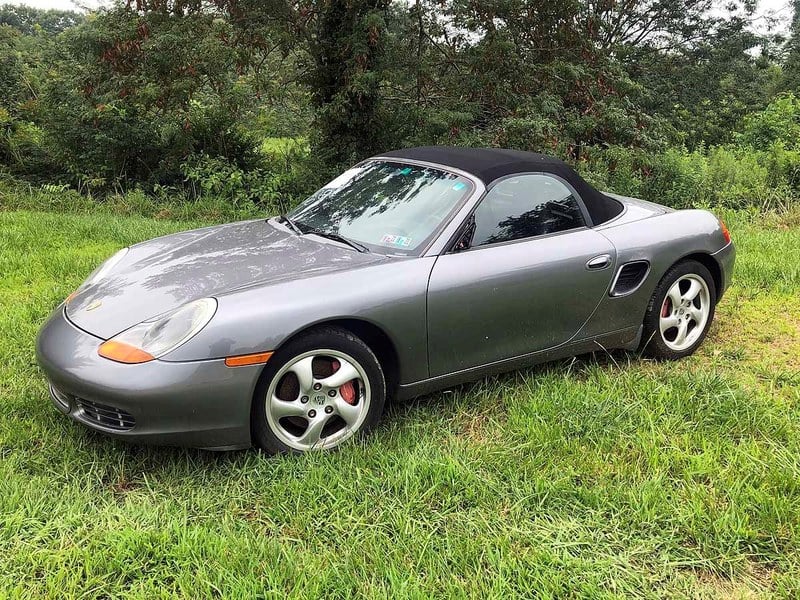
(412, 271)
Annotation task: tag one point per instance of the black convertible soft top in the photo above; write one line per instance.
(490, 164)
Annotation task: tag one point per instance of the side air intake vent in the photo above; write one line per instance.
(630, 277)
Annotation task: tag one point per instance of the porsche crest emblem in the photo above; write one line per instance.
(94, 305)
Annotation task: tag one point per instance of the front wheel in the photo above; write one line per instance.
(320, 390)
(680, 312)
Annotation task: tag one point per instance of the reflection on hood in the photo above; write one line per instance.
(161, 274)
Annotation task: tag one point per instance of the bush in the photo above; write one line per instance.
(783, 166)
(779, 123)
(135, 95)
(679, 179)
(721, 177)
(737, 178)
(276, 186)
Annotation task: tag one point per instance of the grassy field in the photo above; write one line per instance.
(604, 476)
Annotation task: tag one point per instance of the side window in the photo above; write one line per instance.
(525, 206)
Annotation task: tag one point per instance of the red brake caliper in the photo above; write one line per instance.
(665, 308)
(347, 390)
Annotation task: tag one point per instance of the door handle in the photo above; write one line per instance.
(599, 262)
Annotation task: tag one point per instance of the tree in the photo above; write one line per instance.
(347, 42)
(20, 59)
(704, 89)
(522, 73)
(792, 67)
(11, 89)
(659, 24)
(29, 20)
(702, 75)
(136, 93)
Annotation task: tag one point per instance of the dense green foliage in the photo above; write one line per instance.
(132, 99)
(31, 21)
(680, 101)
(792, 67)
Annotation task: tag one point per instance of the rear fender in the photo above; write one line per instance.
(661, 240)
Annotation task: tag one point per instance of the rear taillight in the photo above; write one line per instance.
(725, 233)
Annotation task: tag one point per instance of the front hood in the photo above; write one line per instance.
(162, 274)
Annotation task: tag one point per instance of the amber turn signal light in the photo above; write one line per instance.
(725, 233)
(124, 353)
(248, 359)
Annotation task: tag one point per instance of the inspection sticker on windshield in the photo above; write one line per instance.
(396, 240)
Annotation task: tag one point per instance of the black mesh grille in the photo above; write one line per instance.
(630, 277)
(105, 416)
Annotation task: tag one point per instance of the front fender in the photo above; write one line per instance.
(390, 295)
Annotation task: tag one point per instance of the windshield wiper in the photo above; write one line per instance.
(336, 237)
(299, 228)
(291, 224)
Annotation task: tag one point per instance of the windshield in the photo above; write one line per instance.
(389, 207)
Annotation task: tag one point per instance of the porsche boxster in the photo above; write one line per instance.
(412, 271)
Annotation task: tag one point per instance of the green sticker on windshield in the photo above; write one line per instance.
(405, 171)
(459, 185)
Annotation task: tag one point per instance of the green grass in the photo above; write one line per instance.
(605, 476)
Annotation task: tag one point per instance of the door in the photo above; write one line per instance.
(529, 274)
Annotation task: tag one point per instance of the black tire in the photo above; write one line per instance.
(328, 338)
(653, 344)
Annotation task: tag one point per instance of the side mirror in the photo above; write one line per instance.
(465, 240)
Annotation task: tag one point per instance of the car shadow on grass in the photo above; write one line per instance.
(468, 403)
(473, 408)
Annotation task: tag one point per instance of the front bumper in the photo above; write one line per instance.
(726, 258)
(201, 404)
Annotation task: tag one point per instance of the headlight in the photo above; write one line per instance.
(154, 338)
(100, 272)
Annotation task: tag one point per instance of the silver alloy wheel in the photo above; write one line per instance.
(319, 402)
(684, 312)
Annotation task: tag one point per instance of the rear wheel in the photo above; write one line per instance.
(680, 312)
(320, 390)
